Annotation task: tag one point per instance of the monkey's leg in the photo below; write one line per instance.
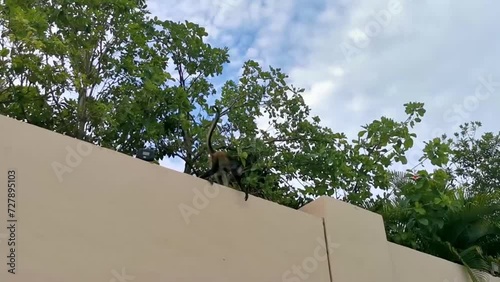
(243, 188)
(246, 192)
(218, 177)
(237, 173)
(225, 180)
(213, 172)
(211, 179)
(208, 176)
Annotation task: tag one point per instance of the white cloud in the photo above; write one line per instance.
(429, 51)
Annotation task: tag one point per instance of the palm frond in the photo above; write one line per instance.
(474, 262)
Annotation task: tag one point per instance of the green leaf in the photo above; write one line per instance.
(420, 211)
(4, 52)
(423, 221)
(403, 160)
(408, 143)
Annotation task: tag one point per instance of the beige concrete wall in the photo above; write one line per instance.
(85, 213)
(412, 266)
(357, 241)
(112, 218)
(359, 250)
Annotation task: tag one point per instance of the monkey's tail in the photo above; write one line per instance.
(211, 131)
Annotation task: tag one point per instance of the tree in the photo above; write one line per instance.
(295, 148)
(98, 71)
(428, 214)
(195, 62)
(476, 160)
(86, 69)
(21, 28)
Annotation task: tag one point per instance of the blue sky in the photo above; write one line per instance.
(359, 60)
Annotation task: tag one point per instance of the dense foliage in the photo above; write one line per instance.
(132, 81)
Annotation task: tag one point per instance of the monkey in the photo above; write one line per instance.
(222, 165)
